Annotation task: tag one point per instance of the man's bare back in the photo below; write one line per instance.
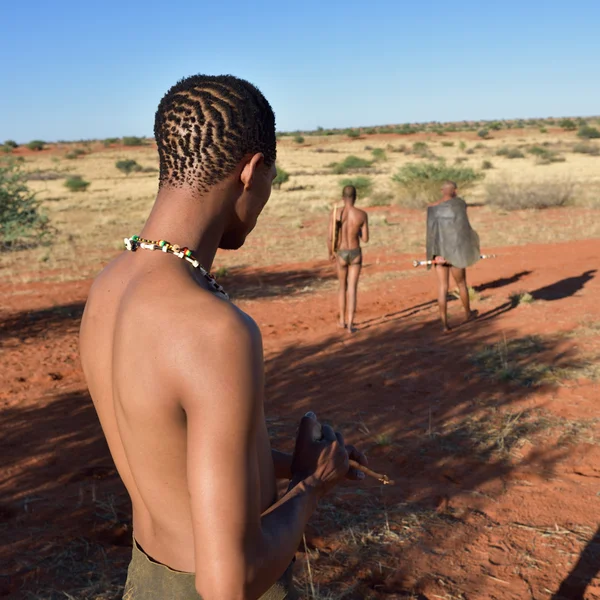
(352, 225)
(177, 377)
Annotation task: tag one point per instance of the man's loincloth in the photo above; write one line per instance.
(150, 580)
(349, 256)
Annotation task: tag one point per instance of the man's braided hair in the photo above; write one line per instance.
(204, 126)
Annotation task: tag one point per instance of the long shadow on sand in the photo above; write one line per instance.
(393, 390)
(586, 569)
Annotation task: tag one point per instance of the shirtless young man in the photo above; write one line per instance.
(452, 245)
(176, 371)
(353, 225)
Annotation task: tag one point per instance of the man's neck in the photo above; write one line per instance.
(182, 218)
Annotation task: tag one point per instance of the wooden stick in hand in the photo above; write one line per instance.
(382, 478)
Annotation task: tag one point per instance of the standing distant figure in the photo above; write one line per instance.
(453, 245)
(348, 227)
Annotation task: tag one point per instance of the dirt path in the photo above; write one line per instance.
(489, 433)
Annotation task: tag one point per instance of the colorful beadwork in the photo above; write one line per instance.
(135, 242)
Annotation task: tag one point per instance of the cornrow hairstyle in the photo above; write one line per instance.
(206, 124)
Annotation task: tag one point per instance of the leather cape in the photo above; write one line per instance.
(449, 234)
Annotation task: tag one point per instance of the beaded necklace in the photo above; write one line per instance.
(135, 242)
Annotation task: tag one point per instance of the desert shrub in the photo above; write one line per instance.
(483, 134)
(299, 139)
(353, 133)
(583, 148)
(363, 185)
(420, 147)
(447, 144)
(76, 183)
(6, 149)
(131, 140)
(109, 141)
(76, 153)
(11, 144)
(281, 177)
(567, 124)
(21, 218)
(350, 163)
(543, 130)
(495, 126)
(513, 195)
(380, 199)
(462, 145)
(587, 132)
(544, 155)
(460, 159)
(36, 145)
(420, 182)
(128, 166)
(379, 154)
(470, 151)
(370, 130)
(509, 152)
(486, 164)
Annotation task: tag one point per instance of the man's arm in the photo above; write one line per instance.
(364, 230)
(330, 233)
(239, 553)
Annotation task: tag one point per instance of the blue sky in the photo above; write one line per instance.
(78, 70)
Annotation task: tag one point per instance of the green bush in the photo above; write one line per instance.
(281, 177)
(447, 144)
(363, 185)
(495, 126)
(462, 145)
(353, 133)
(6, 149)
(299, 139)
(509, 152)
(21, 219)
(11, 144)
(511, 195)
(420, 183)
(543, 130)
(36, 145)
(350, 163)
(486, 164)
(483, 134)
(76, 183)
(583, 148)
(567, 124)
(131, 140)
(128, 166)
(75, 153)
(109, 141)
(545, 156)
(379, 154)
(587, 132)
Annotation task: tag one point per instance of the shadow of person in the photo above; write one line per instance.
(587, 567)
(503, 281)
(563, 288)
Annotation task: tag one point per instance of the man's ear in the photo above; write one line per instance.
(249, 171)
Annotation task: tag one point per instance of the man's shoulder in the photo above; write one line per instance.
(210, 317)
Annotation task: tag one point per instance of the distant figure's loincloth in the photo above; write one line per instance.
(150, 580)
(349, 256)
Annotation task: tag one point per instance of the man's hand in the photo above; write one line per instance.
(361, 459)
(320, 455)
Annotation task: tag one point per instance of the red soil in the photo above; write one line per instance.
(522, 526)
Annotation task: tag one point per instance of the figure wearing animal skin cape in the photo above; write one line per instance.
(453, 246)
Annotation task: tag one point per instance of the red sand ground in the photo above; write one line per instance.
(483, 526)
